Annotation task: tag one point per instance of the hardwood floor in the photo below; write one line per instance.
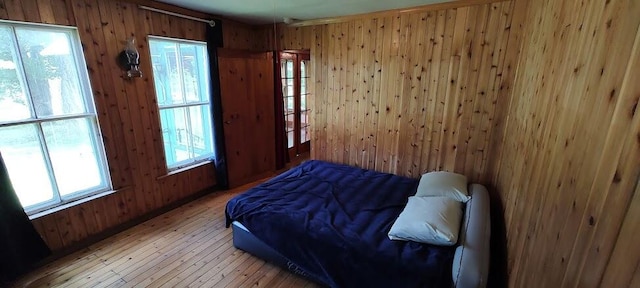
(186, 247)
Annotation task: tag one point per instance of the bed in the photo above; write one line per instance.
(329, 222)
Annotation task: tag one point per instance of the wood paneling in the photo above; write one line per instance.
(246, 85)
(127, 110)
(409, 93)
(535, 98)
(570, 156)
(186, 247)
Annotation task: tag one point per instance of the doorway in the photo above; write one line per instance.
(295, 82)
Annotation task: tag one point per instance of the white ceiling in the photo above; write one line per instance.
(264, 11)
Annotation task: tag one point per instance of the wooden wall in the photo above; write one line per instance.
(571, 155)
(409, 93)
(557, 140)
(127, 110)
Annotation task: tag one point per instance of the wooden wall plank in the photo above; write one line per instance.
(427, 73)
(332, 91)
(621, 269)
(31, 12)
(412, 70)
(342, 102)
(350, 90)
(567, 152)
(51, 233)
(481, 103)
(356, 92)
(430, 157)
(45, 11)
(445, 74)
(3, 10)
(493, 117)
(62, 11)
(15, 11)
(115, 37)
(610, 206)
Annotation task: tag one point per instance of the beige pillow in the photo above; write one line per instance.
(443, 184)
(431, 220)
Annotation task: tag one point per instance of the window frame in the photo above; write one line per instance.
(89, 114)
(195, 161)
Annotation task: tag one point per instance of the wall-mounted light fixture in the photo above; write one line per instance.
(129, 59)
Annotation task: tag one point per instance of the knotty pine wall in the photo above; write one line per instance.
(409, 93)
(557, 140)
(570, 161)
(127, 109)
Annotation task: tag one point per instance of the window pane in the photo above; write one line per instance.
(174, 135)
(20, 147)
(74, 155)
(51, 71)
(290, 122)
(290, 136)
(201, 130)
(289, 108)
(304, 134)
(303, 102)
(290, 90)
(303, 69)
(285, 89)
(166, 75)
(196, 85)
(13, 99)
(289, 69)
(304, 118)
(303, 85)
(283, 69)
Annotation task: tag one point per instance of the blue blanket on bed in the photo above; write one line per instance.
(332, 221)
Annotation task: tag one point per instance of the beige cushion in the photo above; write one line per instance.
(444, 184)
(431, 220)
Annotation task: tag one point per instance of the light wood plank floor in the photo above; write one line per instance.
(186, 247)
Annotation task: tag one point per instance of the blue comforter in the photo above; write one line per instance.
(332, 221)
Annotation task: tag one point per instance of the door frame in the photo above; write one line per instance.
(297, 56)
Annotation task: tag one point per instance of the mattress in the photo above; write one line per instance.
(330, 222)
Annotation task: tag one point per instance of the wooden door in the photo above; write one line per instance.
(295, 81)
(246, 84)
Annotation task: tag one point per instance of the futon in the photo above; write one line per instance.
(329, 223)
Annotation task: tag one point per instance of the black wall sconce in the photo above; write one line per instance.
(129, 60)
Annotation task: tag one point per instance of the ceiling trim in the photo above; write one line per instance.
(394, 12)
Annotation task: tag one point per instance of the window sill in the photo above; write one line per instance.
(64, 206)
(183, 169)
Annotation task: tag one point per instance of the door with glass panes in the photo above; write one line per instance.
(295, 81)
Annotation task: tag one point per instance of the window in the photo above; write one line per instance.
(181, 77)
(295, 78)
(49, 136)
